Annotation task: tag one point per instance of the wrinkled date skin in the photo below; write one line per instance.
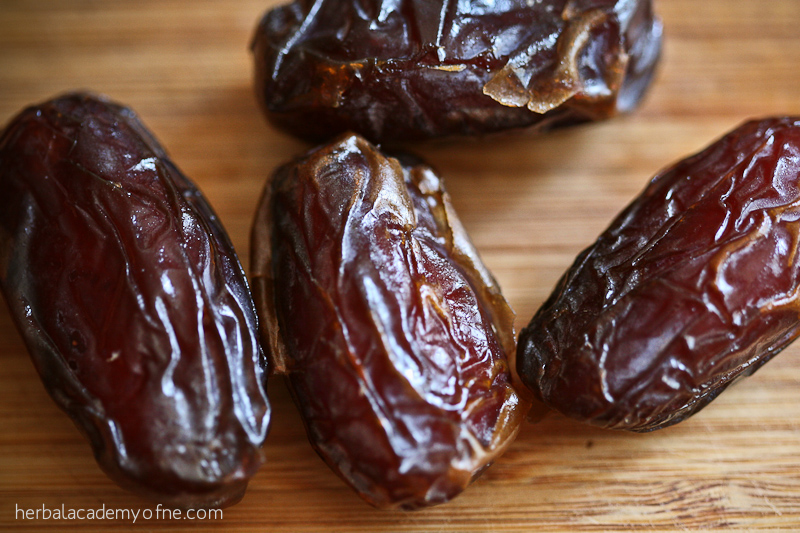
(417, 69)
(132, 303)
(695, 284)
(393, 334)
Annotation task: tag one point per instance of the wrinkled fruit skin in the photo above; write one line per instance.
(418, 69)
(393, 334)
(132, 302)
(695, 284)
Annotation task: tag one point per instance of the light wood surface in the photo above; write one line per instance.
(530, 203)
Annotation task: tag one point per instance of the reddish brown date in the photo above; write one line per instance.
(695, 284)
(416, 69)
(393, 334)
(131, 301)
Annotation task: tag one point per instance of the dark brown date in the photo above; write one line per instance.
(694, 285)
(393, 334)
(416, 69)
(132, 303)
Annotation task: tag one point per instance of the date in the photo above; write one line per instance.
(132, 302)
(695, 285)
(392, 333)
(417, 69)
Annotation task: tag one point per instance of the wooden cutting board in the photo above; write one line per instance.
(530, 203)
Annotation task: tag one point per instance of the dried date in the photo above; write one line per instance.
(693, 286)
(131, 301)
(419, 69)
(392, 333)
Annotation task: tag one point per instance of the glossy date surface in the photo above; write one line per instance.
(392, 333)
(131, 301)
(695, 284)
(416, 69)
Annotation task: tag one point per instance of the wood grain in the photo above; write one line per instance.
(530, 204)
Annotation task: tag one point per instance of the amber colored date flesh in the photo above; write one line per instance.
(131, 301)
(417, 69)
(694, 285)
(392, 333)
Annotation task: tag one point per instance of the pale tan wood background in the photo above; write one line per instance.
(530, 205)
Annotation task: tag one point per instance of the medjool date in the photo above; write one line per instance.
(416, 69)
(132, 303)
(392, 333)
(694, 285)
